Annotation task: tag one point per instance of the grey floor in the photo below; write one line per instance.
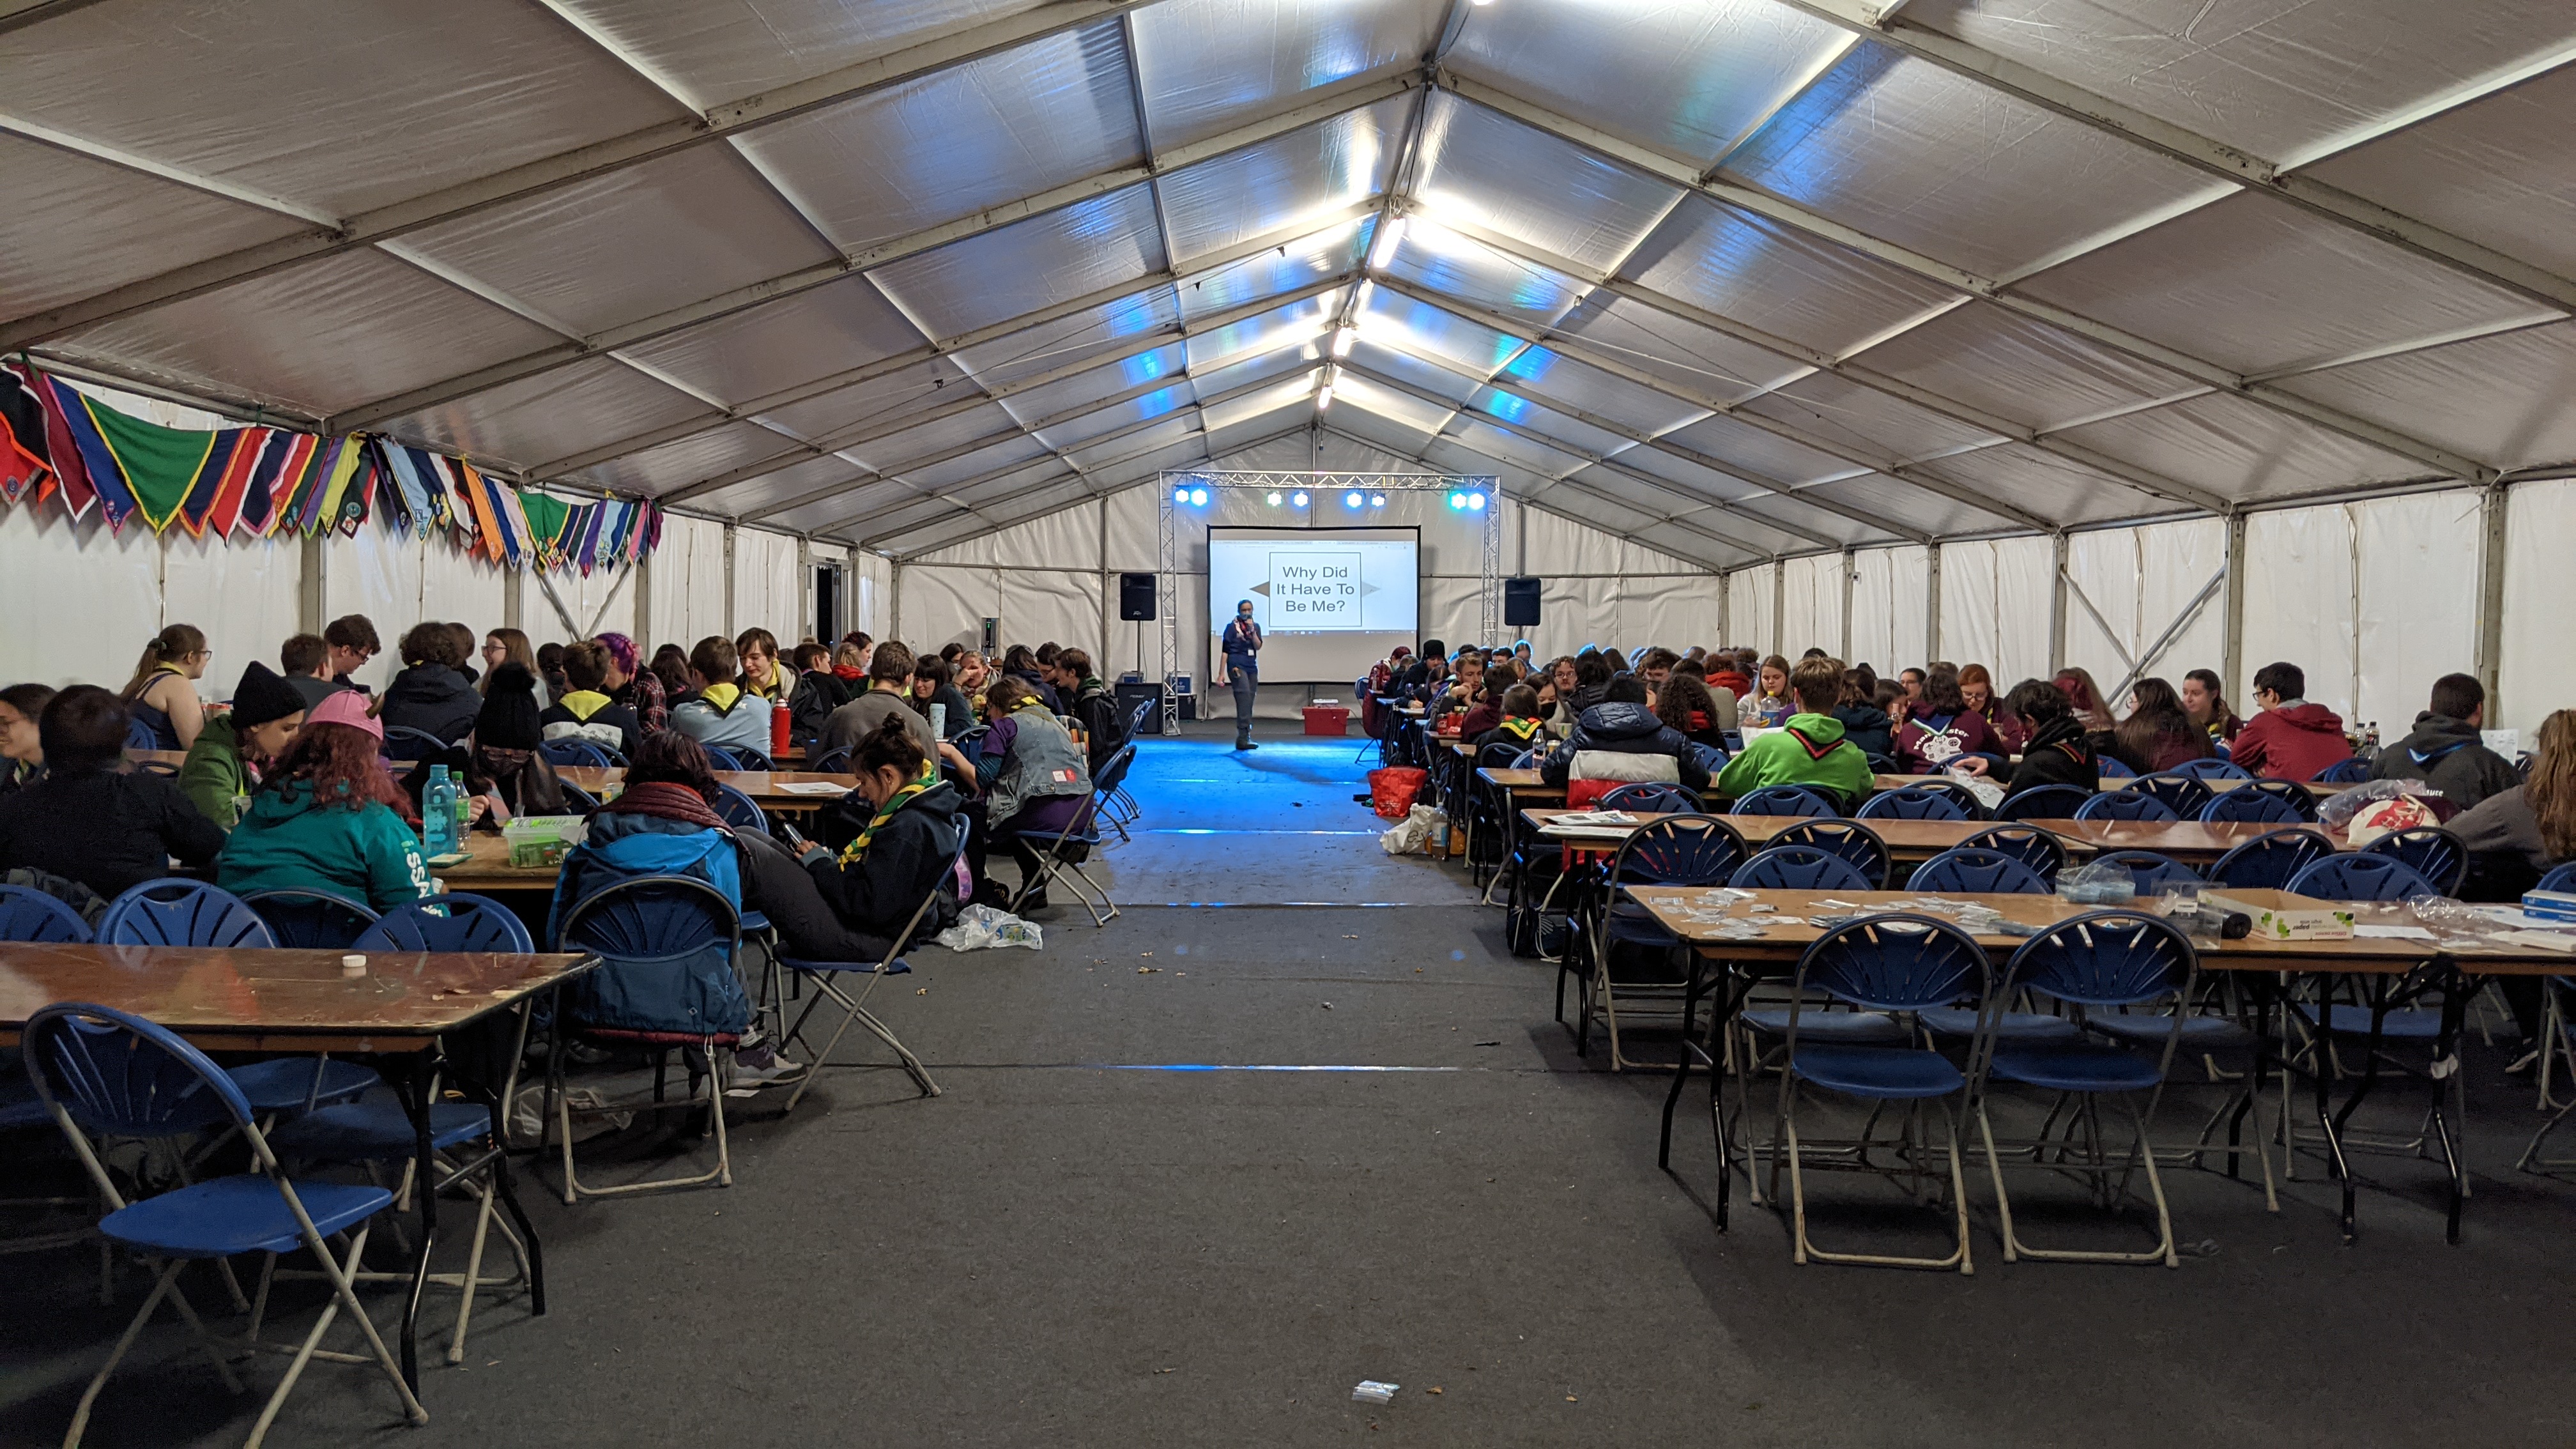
(1078, 1244)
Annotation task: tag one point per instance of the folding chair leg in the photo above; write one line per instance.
(89, 1397)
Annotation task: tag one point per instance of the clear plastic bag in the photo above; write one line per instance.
(988, 927)
(1413, 834)
(2098, 883)
(2335, 812)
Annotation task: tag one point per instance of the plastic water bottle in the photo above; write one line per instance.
(438, 802)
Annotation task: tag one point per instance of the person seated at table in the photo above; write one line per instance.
(2533, 820)
(550, 669)
(888, 695)
(2158, 735)
(1808, 748)
(2060, 750)
(225, 762)
(2289, 739)
(162, 695)
(1725, 673)
(818, 692)
(1684, 703)
(586, 711)
(628, 682)
(2076, 683)
(85, 820)
(22, 747)
(1773, 699)
(2445, 749)
(1942, 728)
(1086, 699)
(756, 650)
(305, 660)
(932, 683)
(670, 666)
(973, 675)
(903, 825)
(431, 694)
(498, 765)
(1020, 662)
(1030, 776)
(1977, 690)
(1465, 690)
(1656, 666)
(1864, 723)
(1523, 725)
(329, 818)
(351, 642)
(721, 712)
(2207, 705)
(1621, 739)
(1909, 681)
(462, 636)
(1417, 672)
(1501, 677)
(1592, 676)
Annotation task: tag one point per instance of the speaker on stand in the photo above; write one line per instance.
(1136, 603)
(1520, 603)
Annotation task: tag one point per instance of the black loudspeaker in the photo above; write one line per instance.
(1135, 598)
(1520, 603)
(1130, 695)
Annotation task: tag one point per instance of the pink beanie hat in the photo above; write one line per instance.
(345, 707)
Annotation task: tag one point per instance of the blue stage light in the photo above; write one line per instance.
(1274, 500)
(1299, 500)
(1198, 498)
(1476, 501)
(1352, 500)
(1180, 495)
(1377, 500)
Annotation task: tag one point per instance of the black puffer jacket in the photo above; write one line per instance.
(2448, 755)
(431, 698)
(1624, 729)
(2061, 753)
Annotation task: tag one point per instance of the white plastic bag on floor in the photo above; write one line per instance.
(1412, 833)
(981, 926)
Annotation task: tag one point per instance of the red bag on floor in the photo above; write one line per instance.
(1392, 789)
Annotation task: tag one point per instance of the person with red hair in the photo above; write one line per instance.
(329, 817)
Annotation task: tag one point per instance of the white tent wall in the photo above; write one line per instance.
(2142, 581)
(688, 584)
(2374, 600)
(2540, 523)
(1995, 597)
(1888, 627)
(1811, 604)
(1753, 608)
(82, 601)
(768, 589)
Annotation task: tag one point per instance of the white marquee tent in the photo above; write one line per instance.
(2115, 332)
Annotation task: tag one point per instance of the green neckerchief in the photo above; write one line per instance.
(928, 777)
(1520, 729)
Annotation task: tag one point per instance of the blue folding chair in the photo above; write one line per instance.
(2245, 806)
(311, 920)
(2149, 869)
(1849, 839)
(2559, 878)
(573, 750)
(2351, 771)
(105, 1072)
(139, 736)
(2436, 854)
(831, 762)
(405, 743)
(2268, 861)
(577, 800)
(30, 915)
(175, 912)
(1786, 800)
(1799, 868)
(1652, 798)
(739, 810)
(2044, 802)
(2112, 769)
(666, 982)
(1682, 850)
(2099, 962)
(2125, 805)
(1914, 802)
(2044, 853)
(2184, 795)
(721, 757)
(1977, 871)
(827, 977)
(747, 758)
(2212, 769)
(458, 921)
(1066, 850)
(2362, 876)
(1891, 966)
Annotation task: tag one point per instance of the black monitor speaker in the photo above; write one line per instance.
(1520, 603)
(1135, 598)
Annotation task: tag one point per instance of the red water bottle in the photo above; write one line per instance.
(777, 728)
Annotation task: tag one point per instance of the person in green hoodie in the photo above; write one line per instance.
(328, 818)
(1808, 748)
(223, 765)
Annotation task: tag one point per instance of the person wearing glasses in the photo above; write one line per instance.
(162, 695)
(351, 641)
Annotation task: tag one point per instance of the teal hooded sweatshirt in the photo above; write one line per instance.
(287, 842)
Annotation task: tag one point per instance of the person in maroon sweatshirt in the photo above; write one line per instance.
(2291, 739)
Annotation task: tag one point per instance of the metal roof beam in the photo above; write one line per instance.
(1101, 496)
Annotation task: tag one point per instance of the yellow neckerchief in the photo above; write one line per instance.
(581, 704)
(928, 777)
(1520, 729)
(721, 697)
(776, 687)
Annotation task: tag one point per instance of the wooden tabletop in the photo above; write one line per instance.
(487, 869)
(2109, 782)
(2188, 841)
(1692, 914)
(1521, 782)
(764, 786)
(243, 1000)
(1915, 840)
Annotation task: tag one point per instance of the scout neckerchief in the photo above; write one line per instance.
(928, 777)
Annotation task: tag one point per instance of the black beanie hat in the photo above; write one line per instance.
(508, 718)
(262, 697)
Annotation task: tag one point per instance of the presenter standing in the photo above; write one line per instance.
(1242, 669)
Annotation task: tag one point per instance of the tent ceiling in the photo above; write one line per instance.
(1741, 278)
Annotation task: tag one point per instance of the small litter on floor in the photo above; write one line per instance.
(1370, 1391)
(980, 927)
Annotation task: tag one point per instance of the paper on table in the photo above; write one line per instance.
(2545, 940)
(2394, 933)
(809, 787)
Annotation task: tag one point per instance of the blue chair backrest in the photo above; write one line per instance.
(2044, 802)
(578, 800)
(2437, 854)
(1799, 868)
(2213, 769)
(1849, 839)
(1895, 963)
(2361, 877)
(1912, 803)
(2246, 805)
(116, 1074)
(2560, 878)
(30, 915)
(1498, 755)
(2297, 796)
(1691, 850)
(1785, 800)
(747, 758)
(739, 810)
(721, 758)
(2112, 769)
(139, 736)
(457, 921)
(1976, 870)
(311, 920)
(831, 762)
(182, 913)
(2124, 805)
(1652, 797)
(2344, 772)
(2032, 846)
(2105, 958)
(402, 742)
(2181, 794)
(1113, 775)
(574, 751)
(2149, 869)
(2268, 861)
(668, 944)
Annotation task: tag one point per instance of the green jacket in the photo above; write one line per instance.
(213, 776)
(286, 842)
(1808, 749)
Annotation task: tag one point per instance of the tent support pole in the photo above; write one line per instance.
(311, 592)
(2057, 602)
(1932, 604)
(644, 603)
(2233, 659)
(1846, 651)
(1779, 606)
(2490, 658)
(729, 533)
(513, 599)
